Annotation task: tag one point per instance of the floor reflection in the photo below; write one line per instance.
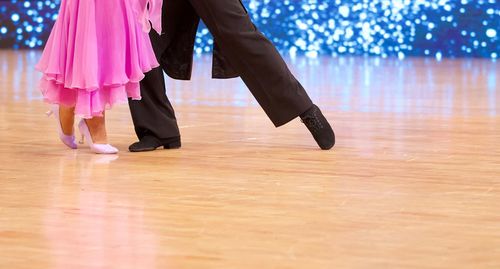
(88, 222)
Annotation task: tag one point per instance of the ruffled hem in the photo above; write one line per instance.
(89, 103)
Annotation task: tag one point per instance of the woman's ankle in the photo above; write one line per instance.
(97, 128)
(67, 119)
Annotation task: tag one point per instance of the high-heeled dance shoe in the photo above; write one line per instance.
(96, 148)
(68, 140)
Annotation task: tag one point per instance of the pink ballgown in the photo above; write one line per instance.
(97, 53)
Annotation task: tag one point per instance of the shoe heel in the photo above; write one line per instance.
(82, 140)
(173, 145)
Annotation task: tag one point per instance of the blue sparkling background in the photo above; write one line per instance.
(437, 28)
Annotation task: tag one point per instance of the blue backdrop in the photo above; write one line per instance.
(435, 28)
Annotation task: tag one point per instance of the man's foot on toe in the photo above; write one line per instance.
(319, 127)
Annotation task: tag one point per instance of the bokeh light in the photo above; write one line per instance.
(399, 28)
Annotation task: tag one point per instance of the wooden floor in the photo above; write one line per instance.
(414, 181)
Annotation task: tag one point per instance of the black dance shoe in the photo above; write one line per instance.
(150, 143)
(319, 127)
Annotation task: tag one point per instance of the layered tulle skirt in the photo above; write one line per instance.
(96, 55)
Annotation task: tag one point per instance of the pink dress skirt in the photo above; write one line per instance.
(96, 55)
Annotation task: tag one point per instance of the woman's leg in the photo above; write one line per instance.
(97, 128)
(94, 131)
(67, 119)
